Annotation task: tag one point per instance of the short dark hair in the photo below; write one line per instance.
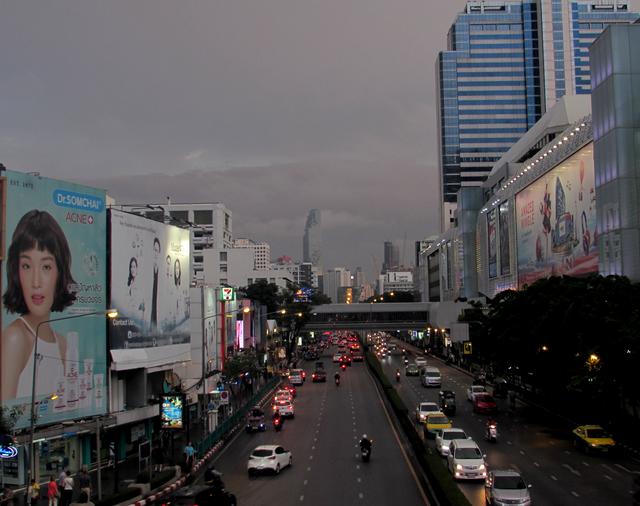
(177, 274)
(156, 240)
(38, 229)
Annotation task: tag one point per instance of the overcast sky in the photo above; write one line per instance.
(272, 107)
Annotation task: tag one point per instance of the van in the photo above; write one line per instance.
(430, 377)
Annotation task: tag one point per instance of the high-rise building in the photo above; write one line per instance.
(506, 63)
(335, 279)
(312, 241)
(391, 257)
(261, 252)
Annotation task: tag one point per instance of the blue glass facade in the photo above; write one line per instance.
(494, 83)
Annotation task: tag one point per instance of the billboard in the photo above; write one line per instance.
(556, 221)
(503, 221)
(54, 269)
(492, 243)
(149, 283)
(171, 412)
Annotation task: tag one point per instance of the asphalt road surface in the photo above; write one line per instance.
(323, 438)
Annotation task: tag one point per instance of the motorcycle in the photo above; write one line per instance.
(343, 366)
(365, 451)
(398, 376)
(492, 433)
(277, 424)
(337, 382)
(218, 493)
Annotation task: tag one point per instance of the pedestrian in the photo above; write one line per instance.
(84, 481)
(67, 490)
(189, 453)
(33, 492)
(53, 492)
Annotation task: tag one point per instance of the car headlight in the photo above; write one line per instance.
(481, 467)
(594, 445)
(458, 467)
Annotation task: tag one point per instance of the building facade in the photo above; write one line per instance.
(335, 279)
(261, 252)
(391, 257)
(505, 65)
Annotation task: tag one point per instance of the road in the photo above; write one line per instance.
(323, 439)
(532, 442)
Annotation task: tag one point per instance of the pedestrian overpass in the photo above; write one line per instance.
(364, 317)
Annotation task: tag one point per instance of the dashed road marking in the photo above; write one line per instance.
(301, 498)
(310, 457)
(509, 443)
(620, 466)
(536, 464)
(360, 495)
(608, 477)
(574, 471)
(359, 480)
(553, 478)
(522, 452)
(585, 464)
(575, 494)
(308, 469)
(567, 452)
(305, 482)
(610, 469)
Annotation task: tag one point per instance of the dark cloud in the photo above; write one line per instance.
(128, 88)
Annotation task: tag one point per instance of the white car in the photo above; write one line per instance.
(337, 357)
(444, 438)
(421, 361)
(475, 389)
(466, 461)
(423, 409)
(285, 408)
(296, 378)
(268, 457)
(283, 395)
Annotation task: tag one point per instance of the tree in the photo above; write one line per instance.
(265, 293)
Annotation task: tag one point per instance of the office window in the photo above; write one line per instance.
(223, 267)
(223, 256)
(224, 281)
(203, 217)
(180, 215)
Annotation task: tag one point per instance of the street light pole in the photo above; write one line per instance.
(111, 313)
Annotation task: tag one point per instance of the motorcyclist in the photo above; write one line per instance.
(336, 378)
(365, 443)
(490, 423)
(397, 374)
(213, 478)
(277, 418)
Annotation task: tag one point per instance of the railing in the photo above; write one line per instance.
(228, 426)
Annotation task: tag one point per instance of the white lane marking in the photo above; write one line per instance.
(521, 452)
(552, 443)
(301, 498)
(610, 469)
(358, 466)
(359, 480)
(574, 471)
(509, 443)
(575, 494)
(305, 482)
(313, 448)
(310, 457)
(585, 464)
(308, 469)
(624, 469)
(536, 464)
(360, 495)
(567, 452)
(553, 478)
(608, 477)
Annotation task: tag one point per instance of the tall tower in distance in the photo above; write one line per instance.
(391, 257)
(312, 241)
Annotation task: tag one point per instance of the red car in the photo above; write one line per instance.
(290, 388)
(345, 359)
(484, 403)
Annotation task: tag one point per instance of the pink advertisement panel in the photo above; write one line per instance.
(556, 222)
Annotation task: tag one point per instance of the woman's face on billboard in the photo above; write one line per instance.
(38, 279)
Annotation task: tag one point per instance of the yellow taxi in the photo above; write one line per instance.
(593, 437)
(435, 422)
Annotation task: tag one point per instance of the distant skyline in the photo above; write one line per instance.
(240, 102)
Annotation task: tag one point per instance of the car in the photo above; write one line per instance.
(301, 372)
(200, 495)
(506, 487)
(423, 409)
(285, 408)
(357, 357)
(484, 403)
(593, 437)
(255, 420)
(421, 361)
(412, 370)
(465, 460)
(434, 423)
(430, 377)
(289, 388)
(345, 359)
(295, 378)
(444, 438)
(319, 375)
(283, 395)
(475, 389)
(268, 457)
(337, 356)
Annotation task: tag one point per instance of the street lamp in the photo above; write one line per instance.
(111, 313)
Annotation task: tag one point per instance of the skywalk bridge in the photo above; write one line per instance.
(369, 316)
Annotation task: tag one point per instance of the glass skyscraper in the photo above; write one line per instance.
(312, 240)
(506, 63)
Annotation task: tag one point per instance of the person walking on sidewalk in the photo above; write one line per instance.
(189, 453)
(67, 490)
(84, 481)
(33, 492)
(53, 492)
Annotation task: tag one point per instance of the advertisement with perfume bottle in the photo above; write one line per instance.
(54, 278)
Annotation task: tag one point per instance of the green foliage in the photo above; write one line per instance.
(246, 361)
(8, 418)
(265, 293)
(549, 331)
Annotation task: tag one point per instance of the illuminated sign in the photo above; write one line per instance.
(227, 293)
(171, 412)
(8, 452)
